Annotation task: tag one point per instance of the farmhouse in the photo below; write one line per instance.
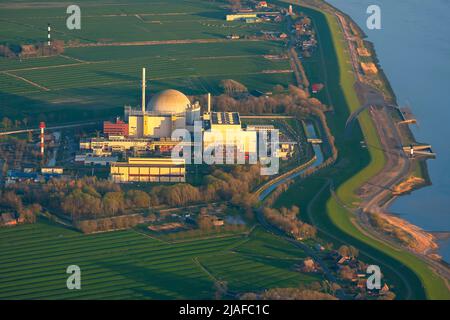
(261, 4)
(7, 219)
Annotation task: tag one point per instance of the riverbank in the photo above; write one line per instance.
(333, 215)
(405, 233)
(415, 60)
(417, 176)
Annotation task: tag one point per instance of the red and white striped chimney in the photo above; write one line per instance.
(42, 127)
(49, 39)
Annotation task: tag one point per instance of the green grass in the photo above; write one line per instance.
(110, 21)
(178, 51)
(97, 81)
(16, 64)
(129, 265)
(260, 263)
(109, 79)
(410, 276)
(128, 70)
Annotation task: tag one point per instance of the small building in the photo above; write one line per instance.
(240, 16)
(149, 170)
(319, 247)
(278, 18)
(52, 170)
(253, 20)
(260, 127)
(7, 219)
(361, 284)
(101, 160)
(218, 222)
(369, 68)
(385, 288)
(283, 36)
(28, 50)
(213, 220)
(316, 87)
(118, 128)
(233, 37)
(80, 157)
(363, 52)
(343, 260)
(261, 4)
(13, 176)
(309, 265)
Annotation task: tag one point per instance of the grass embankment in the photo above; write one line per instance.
(411, 277)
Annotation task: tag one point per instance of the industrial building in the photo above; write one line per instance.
(147, 132)
(167, 111)
(150, 127)
(118, 128)
(260, 127)
(149, 170)
(224, 130)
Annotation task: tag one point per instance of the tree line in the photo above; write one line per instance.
(296, 102)
(90, 198)
(286, 220)
(12, 203)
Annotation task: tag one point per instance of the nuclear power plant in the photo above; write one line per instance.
(168, 110)
(146, 132)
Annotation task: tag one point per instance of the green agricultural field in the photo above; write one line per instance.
(95, 82)
(109, 20)
(131, 265)
(101, 85)
(105, 73)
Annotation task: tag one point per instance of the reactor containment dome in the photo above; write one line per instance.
(169, 102)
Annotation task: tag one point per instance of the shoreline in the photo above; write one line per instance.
(416, 231)
(391, 198)
(420, 271)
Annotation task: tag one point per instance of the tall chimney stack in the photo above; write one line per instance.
(42, 137)
(143, 90)
(49, 40)
(209, 102)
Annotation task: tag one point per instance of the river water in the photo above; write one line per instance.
(413, 47)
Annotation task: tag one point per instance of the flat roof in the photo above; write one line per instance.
(226, 118)
(151, 162)
(145, 165)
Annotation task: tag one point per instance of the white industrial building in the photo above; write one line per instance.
(224, 129)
